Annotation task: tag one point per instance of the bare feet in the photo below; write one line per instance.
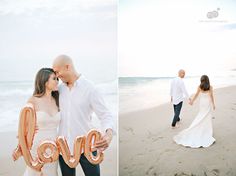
(179, 122)
(176, 126)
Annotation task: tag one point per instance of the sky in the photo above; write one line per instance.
(34, 32)
(157, 38)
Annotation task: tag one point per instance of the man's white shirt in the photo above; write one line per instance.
(178, 90)
(76, 107)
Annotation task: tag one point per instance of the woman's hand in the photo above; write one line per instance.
(16, 153)
(36, 129)
(214, 107)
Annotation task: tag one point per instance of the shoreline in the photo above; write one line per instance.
(165, 102)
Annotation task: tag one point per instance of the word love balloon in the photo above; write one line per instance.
(26, 131)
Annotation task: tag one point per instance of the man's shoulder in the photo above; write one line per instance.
(61, 86)
(86, 82)
(175, 79)
(178, 79)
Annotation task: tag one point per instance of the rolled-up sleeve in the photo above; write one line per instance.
(99, 106)
(171, 88)
(184, 90)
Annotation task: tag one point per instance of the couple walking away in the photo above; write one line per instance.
(200, 132)
(67, 108)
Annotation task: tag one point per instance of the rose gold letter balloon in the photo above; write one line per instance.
(93, 134)
(71, 160)
(44, 155)
(26, 131)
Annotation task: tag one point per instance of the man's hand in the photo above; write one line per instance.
(105, 141)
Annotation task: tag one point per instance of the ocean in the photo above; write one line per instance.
(14, 95)
(137, 93)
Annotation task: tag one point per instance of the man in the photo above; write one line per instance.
(78, 100)
(178, 92)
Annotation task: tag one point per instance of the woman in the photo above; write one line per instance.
(46, 104)
(200, 132)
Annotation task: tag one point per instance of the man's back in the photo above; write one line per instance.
(178, 90)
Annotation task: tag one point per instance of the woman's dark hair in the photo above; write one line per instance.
(42, 77)
(205, 83)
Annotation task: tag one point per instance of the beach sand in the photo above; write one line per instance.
(147, 148)
(8, 167)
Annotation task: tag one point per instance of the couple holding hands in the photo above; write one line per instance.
(200, 132)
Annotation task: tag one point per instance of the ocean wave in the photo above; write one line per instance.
(108, 88)
(17, 92)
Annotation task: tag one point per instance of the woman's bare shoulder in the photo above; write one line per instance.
(199, 89)
(33, 100)
(211, 89)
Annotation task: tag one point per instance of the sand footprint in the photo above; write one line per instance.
(151, 150)
(153, 137)
(216, 172)
(183, 174)
(140, 154)
(151, 171)
(129, 129)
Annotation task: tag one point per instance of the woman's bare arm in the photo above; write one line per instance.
(212, 97)
(195, 96)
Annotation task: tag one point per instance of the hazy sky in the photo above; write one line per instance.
(33, 32)
(156, 38)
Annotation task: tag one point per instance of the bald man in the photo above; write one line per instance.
(178, 92)
(78, 100)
